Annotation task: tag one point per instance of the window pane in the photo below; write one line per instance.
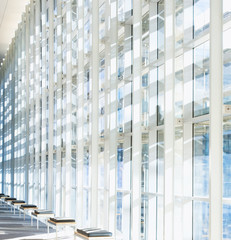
(227, 67)
(200, 220)
(201, 160)
(160, 95)
(201, 79)
(226, 222)
(201, 16)
(227, 159)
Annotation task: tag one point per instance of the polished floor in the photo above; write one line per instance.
(14, 227)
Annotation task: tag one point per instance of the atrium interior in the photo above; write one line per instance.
(117, 113)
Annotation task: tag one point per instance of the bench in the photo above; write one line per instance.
(17, 203)
(8, 200)
(60, 222)
(93, 234)
(27, 207)
(41, 213)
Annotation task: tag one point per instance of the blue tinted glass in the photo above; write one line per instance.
(201, 79)
(119, 211)
(201, 160)
(227, 83)
(226, 161)
(226, 222)
(200, 220)
(120, 166)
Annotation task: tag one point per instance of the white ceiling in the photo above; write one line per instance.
(10, 15)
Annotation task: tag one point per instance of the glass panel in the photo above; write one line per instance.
(201, 16)
(178, 162)
(226, 222)
(179, 20)
(145, 165)
(227, 158)
(201, 160)
(179, 87)
(226, 8)
(145, 99)
(160, 218)
(227, 67)
(160, 95)
(144, 217)
(200, 220)
(160, 161)
(201, 79)
(160, 29)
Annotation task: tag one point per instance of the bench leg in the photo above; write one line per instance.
(37, 223)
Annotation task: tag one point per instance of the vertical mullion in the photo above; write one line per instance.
(113, 116)
(136, 121)
(80, 110)
(95, 111)
(216, 119)
(50, 197)
(27, 44)
(37, 103)
(44, 99)
(58, 196)
(68, 162)
(169, 120)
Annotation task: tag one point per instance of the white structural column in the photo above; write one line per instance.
(80, 112)
(58, 183)
(113, 117)
(136, 122)
(27, 42)
(169, 120)
(43, 113)
(216, 119)
(37, 102)
(107, 113)
(187, 125)
(95, 111)
(50, 192)
(68, 175)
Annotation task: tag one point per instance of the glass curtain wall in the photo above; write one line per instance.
(50, 140)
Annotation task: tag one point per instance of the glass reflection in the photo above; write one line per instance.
(201, 79)
(201, 160)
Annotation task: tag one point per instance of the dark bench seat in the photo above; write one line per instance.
(43, 211)
(62, 220)
(28, 206)
(14, 202)
(9, 199)
(94, 232)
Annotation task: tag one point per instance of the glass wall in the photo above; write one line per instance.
(83, 115)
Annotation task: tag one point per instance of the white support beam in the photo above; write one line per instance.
(95, 111)
(80, 125)
(136, 121)
(113, 115)
(169, 117)
(50, 184)
(216, 120)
